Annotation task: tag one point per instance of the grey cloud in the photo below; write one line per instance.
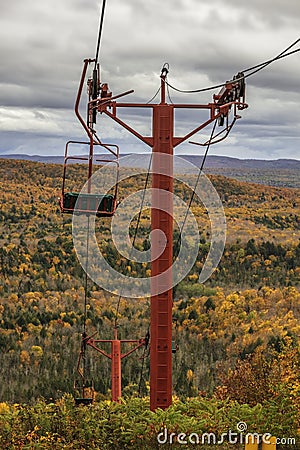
(42, 45)
(273, 12)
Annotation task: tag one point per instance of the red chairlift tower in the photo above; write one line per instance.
(162, 142)
(115, 356)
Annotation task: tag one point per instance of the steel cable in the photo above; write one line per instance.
(176, 246)
(136, 230)
(100, 33)
(254, 69)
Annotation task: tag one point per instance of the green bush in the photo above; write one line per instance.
(131, 425)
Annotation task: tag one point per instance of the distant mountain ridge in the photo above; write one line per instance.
(220, 162)
(212, 161)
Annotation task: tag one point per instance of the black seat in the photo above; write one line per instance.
(101, 205)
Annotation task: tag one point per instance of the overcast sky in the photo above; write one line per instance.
(206, 42)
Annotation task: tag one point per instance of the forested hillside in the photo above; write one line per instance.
(237, 336)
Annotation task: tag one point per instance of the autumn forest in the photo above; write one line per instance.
(237, 336)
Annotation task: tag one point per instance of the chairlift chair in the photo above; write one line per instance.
(91, 202)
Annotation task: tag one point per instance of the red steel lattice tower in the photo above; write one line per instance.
(162, 141)
(161, 219)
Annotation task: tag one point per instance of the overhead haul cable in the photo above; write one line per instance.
(100, 33)
(136, 229)
(252, 70)
(261, 66)
(84, 334)
(176, 247)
